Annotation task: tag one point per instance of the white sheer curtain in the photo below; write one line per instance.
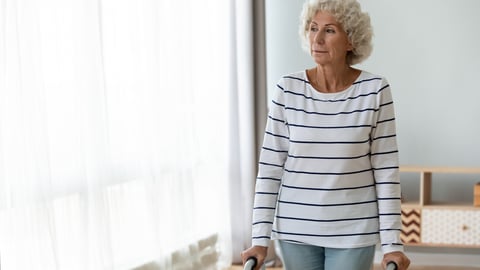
(114, 134)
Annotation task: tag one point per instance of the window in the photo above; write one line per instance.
(113, 131)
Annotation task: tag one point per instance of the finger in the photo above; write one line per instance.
(385, 262)
(245, 255)
(242, 255)
(259, 263)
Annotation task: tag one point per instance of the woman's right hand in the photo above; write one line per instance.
(258, 252)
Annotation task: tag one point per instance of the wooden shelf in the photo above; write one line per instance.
(428, 222)
(426, 169)
(461, 206)
(411, 204)
(426, 173)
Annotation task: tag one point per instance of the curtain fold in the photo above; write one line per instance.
(242, 163)
(114, 134)
(247, 117)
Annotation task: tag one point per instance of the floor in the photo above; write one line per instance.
(376, 267)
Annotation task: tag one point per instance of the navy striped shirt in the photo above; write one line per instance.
(328, 170)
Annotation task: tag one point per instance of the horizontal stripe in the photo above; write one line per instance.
(331, 114)
(386, 104)
(328, 189)
(386, 230)
(386, 120)
(328, 173)
(368, 80)
(267, 193)
(387, 183)
(385, 199)
(393, 244)
(384, 153)
(279, 104)
(386, 168)
(384, 137)
(276, 135)
(263, 208)
(307, 157)
(331, 142)
(269, 178)
(327, 220)
(262, 222)
(276, 119)
(261, 237)
(332, 100)
(296, 78)
(271, 164)
(329, 127)
(327, 205)
(274, 150)
(326, 235)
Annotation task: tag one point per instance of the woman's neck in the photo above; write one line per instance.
(329, 79)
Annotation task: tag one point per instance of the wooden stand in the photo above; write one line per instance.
(451, 225)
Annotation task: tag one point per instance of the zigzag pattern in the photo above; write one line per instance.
(411, 225)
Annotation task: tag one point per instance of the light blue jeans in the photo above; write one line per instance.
(307, 257)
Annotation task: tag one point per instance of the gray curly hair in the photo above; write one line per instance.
(349, 14)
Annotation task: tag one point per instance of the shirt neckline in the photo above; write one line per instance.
(316, 92)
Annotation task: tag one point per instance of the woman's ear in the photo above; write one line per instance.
(349, 46)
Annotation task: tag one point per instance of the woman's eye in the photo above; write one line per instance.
(330, 30)
(313, 29)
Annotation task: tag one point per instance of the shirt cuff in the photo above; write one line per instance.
(392, 248)
(264, 242)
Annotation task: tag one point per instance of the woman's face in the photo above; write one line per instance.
(329, 43)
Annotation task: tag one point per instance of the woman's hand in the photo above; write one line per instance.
(258, 252)
(397, 257)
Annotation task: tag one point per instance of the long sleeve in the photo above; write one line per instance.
(384, 158)
(271, 164)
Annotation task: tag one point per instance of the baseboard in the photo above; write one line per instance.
(422, 256)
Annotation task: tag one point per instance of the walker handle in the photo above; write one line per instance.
(250, 263)
(391, 266)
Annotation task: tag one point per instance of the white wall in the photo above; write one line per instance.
(284, 52)
(430, 52)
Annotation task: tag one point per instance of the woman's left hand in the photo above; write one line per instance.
(397, 257)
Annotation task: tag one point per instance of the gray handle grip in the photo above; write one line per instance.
(251, 263)
(391, 266)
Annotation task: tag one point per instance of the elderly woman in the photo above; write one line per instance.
(328, 187)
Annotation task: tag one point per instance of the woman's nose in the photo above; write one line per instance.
(319, 38)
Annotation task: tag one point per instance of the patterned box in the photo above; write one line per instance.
(451, 227)
(411, 226)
